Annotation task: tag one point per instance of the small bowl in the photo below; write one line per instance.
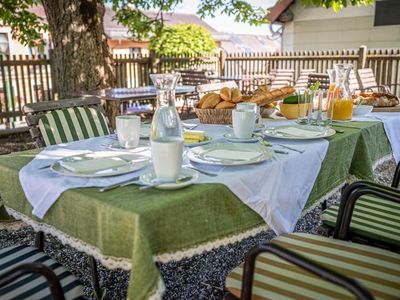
(362, 110)
(291, 111)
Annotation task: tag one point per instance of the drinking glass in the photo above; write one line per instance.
(304, 100)
(128, 130)
(325, 108)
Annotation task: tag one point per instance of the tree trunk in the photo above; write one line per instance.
(81, 54)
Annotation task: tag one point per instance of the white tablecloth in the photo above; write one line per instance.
(391, 123)
(276, 189)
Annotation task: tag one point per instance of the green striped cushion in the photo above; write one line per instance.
(377, 269)
(373, 218)
(34, 286)
(72, 124)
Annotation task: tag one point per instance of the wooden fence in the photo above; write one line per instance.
(27, 79)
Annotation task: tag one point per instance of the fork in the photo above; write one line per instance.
(121, 183)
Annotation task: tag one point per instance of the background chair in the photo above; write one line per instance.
(214, 87)
(368, 81)
(302, 81)
(282, 78)
(65, 121)
(192, 77)
(323, 78)
(28, 273)
(316, 267)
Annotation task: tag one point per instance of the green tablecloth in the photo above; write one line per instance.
(136, 225)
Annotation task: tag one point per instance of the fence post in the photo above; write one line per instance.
(362, 57)
(222, 58)
(154, 61)
(53, 75)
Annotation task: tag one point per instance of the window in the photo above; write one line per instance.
(387, 12)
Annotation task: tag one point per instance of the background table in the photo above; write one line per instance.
(114, 97)
(145, 226)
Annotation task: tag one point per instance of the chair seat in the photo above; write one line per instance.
(377, 269)
(373, 218)
(34, 286)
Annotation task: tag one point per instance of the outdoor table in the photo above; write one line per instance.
(132, 229)
(114, 97)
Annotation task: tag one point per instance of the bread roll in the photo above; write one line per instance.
(211, 101)
(246, 98)
(203, 99)
(277, 93)
(288, 89)
(225, 105)
(236, 95)
(225, 93)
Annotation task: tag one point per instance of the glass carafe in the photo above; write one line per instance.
(166, 134)
(343, 103)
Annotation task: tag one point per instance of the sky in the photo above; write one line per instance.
(224, 23)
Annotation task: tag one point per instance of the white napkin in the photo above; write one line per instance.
(232, 154)
(294, 131)
(93, 165)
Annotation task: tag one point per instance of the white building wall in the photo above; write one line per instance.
(322, 29)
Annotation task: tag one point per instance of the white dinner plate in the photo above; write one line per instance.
(151, 178)
(231, 138)
(314, 132)
(205, 142)
(134, 162)
(229, 154)
(115, 146)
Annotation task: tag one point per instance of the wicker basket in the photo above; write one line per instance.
(214, 116)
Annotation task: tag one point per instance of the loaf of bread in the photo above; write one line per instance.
(226, 105)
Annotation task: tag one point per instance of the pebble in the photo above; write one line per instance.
(198, 277)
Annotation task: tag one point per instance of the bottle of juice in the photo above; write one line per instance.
(343, 103)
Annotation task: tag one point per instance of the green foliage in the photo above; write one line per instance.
(337, 5)
(182, 39)
(25, 26)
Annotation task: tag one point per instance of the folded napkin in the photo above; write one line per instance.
(93, 165)
(232, 154)
(294, 131)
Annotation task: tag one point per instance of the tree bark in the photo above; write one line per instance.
(81, 54)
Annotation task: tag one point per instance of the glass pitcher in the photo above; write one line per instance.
(166, 133)
(343, 103)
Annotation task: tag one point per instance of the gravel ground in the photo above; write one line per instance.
(198, 277)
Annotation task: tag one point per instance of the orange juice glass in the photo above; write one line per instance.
(342, 109)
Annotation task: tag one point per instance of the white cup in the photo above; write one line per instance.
(247, 106)
(243, 122)
(167, 158)
(251, 106)
(128, 130)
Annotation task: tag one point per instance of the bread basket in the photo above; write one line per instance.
(214, 116)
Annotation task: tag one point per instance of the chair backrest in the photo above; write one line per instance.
(302, 81)
(323, 78)
(353, 81)
(54, 122)
(282, 78)
(367, 78)
(194, 77)
(214, 87)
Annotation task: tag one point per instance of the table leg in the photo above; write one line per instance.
(113, 109)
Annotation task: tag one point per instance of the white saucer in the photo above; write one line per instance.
(257, 127)
(150, 177)
(231, 138)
